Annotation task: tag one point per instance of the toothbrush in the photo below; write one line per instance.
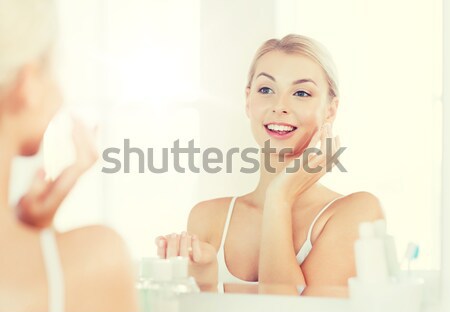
(412, 253)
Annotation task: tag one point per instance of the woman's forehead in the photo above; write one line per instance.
(289, 66)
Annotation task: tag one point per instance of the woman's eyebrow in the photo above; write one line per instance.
(266, 75)
(304, 81)
(294, 83)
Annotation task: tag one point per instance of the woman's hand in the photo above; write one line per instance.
(38, 206)
(277, 258)
(288, 185)
(185, 245)
(202, 256)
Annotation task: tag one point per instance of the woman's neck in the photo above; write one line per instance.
(270, 167)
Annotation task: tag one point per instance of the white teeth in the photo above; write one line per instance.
(274, 127)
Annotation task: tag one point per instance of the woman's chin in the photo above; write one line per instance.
(277, 150)
(276, 146)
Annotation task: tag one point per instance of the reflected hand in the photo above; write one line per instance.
(40, 204)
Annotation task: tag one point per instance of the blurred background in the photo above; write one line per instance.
(155, 71)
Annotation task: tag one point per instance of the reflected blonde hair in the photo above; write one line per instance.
(27, 31)
(291, 44)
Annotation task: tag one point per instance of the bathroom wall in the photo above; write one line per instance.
(157, 71)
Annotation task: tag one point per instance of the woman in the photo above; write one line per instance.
(290, 229)
(86, 269)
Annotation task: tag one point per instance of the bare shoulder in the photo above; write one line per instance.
(82, 245)
(207, 217)
(210, 207)
(331, 261)
(359, 206)
(96, 260)
(95, 238)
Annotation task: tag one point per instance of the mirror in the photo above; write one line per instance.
(151, 73)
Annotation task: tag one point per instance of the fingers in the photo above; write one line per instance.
(320, 135)
(325, 133)
(315, 138)
(38, 184)
(83, 140)
(196, 249)
(57, 190)
(161, 245)
(329, 146)
(173, 245)
(185, 244)
(30, 206)
(318, 159)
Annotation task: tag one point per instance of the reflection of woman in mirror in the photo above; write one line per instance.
(85, 269)
(290, 229)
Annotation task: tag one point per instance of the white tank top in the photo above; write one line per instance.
(54, 272)
(225, 275)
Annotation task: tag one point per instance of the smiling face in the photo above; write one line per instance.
(288, 100)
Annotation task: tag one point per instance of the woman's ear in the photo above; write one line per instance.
(247, 110)
(331, 110)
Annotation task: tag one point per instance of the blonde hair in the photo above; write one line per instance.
(303, 45)
(27, 31)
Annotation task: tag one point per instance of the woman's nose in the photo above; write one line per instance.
(280, 107)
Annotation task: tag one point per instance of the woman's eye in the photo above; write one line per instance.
(302, 94)
(265, 90)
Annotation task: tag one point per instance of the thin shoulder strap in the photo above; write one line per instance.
(227, 222)
(318, 216)
(53, 268)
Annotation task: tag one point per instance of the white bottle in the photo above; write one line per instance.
(145, 283)
(389, 247)
(162, 295)
(182, 282)
(370, 257)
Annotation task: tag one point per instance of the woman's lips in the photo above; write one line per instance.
(280, 130)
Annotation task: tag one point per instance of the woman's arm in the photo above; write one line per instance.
(277, 260)
(332, 260)
(205, 271)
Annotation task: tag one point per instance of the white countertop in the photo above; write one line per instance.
(207, 302)
(213, 302)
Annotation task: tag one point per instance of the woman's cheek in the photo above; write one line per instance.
(309, 118)
(257, 109)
